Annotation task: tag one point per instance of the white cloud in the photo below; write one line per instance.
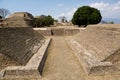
(100, 6)
(71, 12)
(108, 10)
(61, 14)
(68, 14)
(60, 5)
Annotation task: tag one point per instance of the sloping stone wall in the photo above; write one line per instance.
(104, 41)
(17, 22)
(20, 44)
(97, 48)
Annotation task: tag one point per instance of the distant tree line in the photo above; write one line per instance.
(43, 20)
(106, 22)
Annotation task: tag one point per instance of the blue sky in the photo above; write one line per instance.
(57, 8)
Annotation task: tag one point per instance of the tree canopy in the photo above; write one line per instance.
(86, 15)
(43, 21)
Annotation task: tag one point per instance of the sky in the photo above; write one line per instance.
(58, 8)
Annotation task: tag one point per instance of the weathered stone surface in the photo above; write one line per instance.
(21, 15)
(44, 31)
(33, 68)
(104, 41)
(94, 47)
(5, 61)
(19, 19)
(57, 31)
(20, 44)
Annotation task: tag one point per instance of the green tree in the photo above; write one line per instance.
(86, 15)
(43, 21)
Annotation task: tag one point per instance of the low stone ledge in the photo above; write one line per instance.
(88, 61)
(33, 68)
(57, 31)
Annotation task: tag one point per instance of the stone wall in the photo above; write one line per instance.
(57, 31)
(104, 40)
(43, 31)
(96, 47)
(20, 44)
(32, 69)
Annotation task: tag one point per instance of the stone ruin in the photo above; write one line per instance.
(98, 49)
(24, 46)
(55, 31)
(18, 19)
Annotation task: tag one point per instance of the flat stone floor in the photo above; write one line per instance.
(62, 64)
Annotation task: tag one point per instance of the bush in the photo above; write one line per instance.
(86, 15)
(43, 21)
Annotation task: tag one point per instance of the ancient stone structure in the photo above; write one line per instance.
(26, 47)
(43, 31)
(97, 48)
(21, 15)
(20, 44)
(57, 31)
(18, 19)
(32, 69)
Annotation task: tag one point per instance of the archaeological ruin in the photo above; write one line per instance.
(97, 48)
(18, 19)
(22, 45)
(58, 53)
